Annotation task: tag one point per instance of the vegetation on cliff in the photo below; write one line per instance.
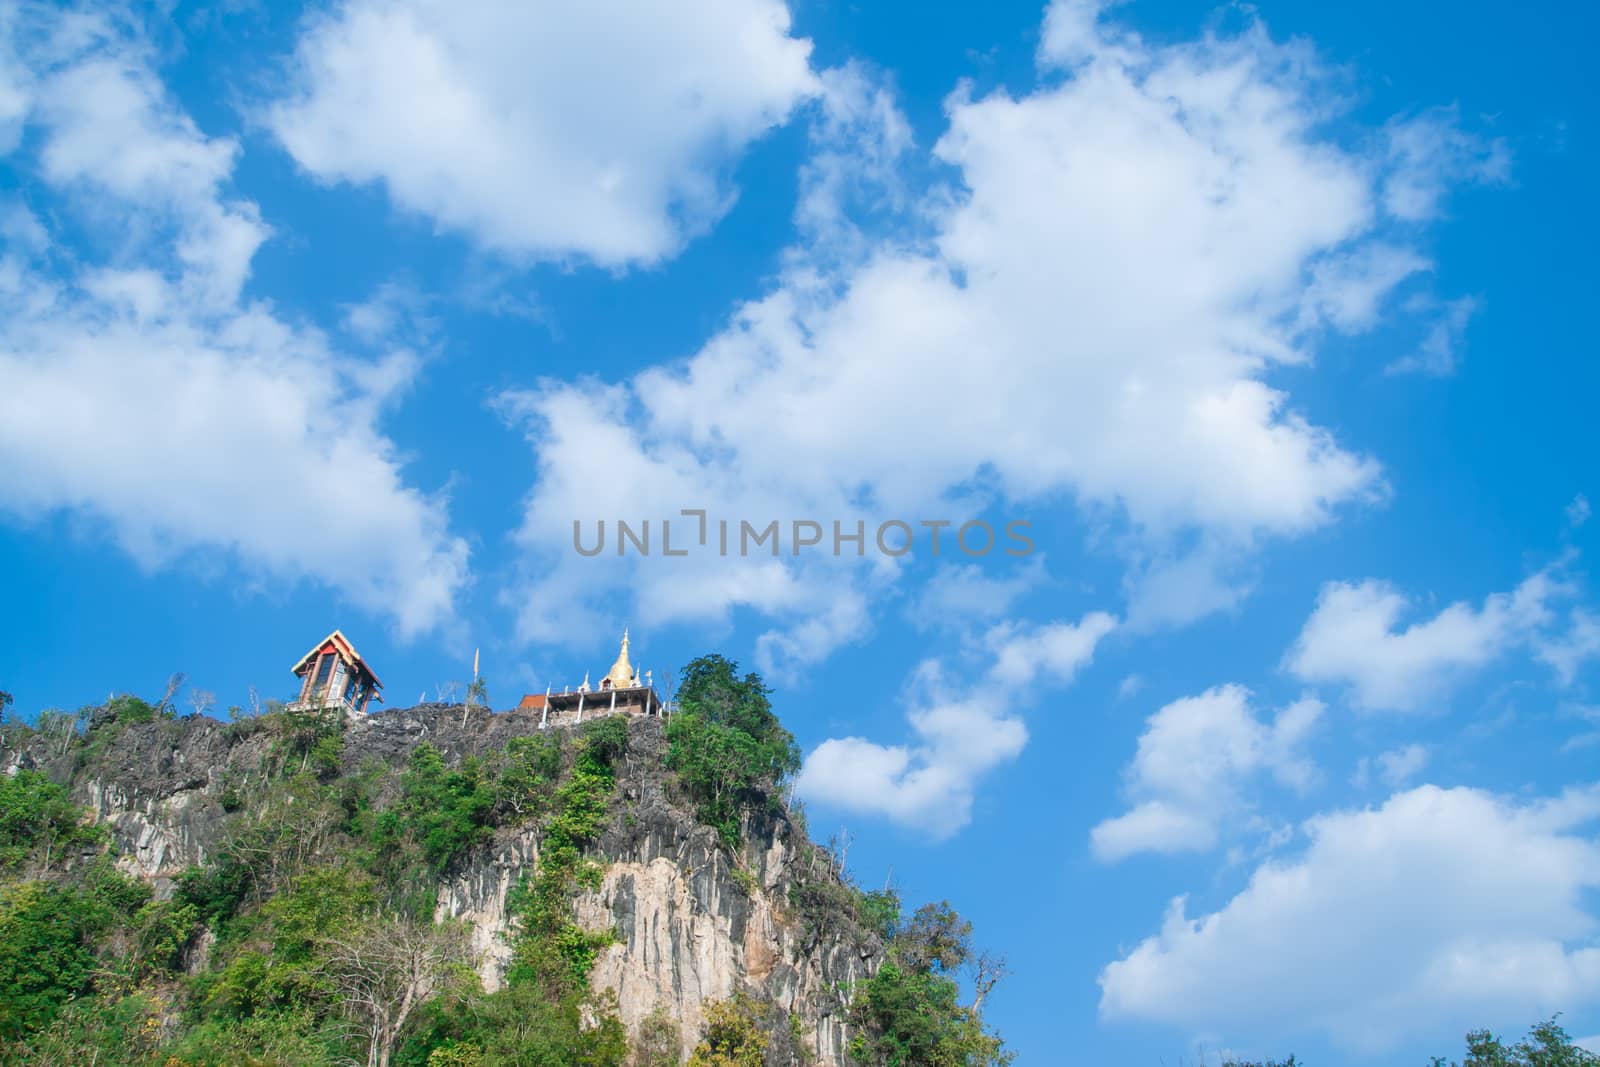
(313, 934)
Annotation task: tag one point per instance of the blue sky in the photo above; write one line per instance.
(1270, 320)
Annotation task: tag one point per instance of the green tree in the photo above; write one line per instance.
(658, 1042)
(279, 967)
(528, 774)
(733, 1035)
(38, 821)
(456, 1054)
(727, 747)
(46, 954)
(879, 911)
(934, 939)
(443, 811)
(1546, 1046)
(518, 1026)
(92, 1031)
(908, 1013)
(129, 710)
(310, 737)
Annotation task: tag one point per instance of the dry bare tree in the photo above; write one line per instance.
(202, 700)
(388, 967)
(58, 728)
(174, 684)
(988, 970)
(285, 838)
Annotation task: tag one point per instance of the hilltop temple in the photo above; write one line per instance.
(333, 675)
(620, 691)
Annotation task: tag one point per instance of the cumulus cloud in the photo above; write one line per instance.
(1353, 638)
(1091, 308)
(143, 391)
(1194, 759)
(1053, 652)
(1440, 909)
(601, 131)
(960, 733)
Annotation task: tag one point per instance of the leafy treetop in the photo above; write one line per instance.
(726, 745)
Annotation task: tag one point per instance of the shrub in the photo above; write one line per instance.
(130, 710)
(734, 1035)
(446, 811)
(39, 821)
(45, 953)
(528, 773)
(658, 1041)
(549, 950)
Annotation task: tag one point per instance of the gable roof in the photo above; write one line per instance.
(346, 650)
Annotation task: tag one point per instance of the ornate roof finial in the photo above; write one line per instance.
(621, 673)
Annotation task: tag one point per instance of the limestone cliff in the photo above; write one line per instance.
(694, 922)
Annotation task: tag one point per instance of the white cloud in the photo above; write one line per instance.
(143, 392)
(958, 596)
(1577, 512)
(1394, 768)
(1352, 638)
(1176, 588)
(1194, 758)
(15, 91)
(1590, 715)
(1054, 652)
(860, 141)
(1567, 653)
(1429, 154)
(1347, 290)
(1440, 351)
(960, 732)
(1090, 310)
(1441, 909)
(599, 130)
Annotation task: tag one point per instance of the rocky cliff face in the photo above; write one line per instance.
(694, 923)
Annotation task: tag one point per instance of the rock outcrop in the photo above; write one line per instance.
(694, 922)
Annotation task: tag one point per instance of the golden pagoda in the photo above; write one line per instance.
(620, 692)
(621, 675)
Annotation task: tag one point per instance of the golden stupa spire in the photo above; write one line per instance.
(621, 673)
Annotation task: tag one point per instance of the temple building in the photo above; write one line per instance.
(334, 675)
(620, 691)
